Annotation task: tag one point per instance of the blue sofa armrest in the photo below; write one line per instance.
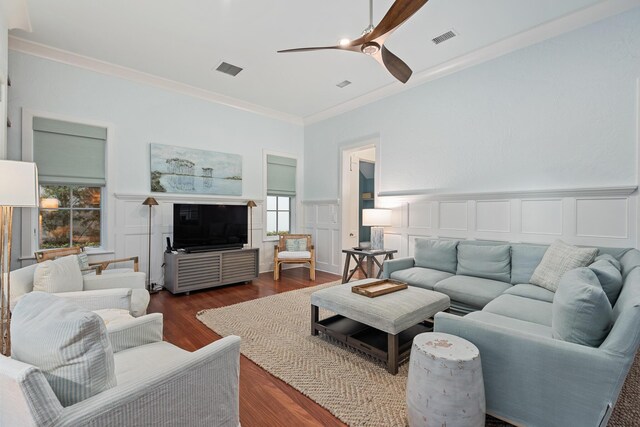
(540, 381)
(391, 265)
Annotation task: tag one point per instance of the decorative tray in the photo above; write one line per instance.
(381, 287)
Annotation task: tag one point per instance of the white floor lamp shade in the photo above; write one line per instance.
(18, 188)
(377, 219)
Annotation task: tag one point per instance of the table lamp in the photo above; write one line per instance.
(376, 218)
(19, 189)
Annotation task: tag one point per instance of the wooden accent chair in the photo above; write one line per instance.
(99, 267)
(294, 249)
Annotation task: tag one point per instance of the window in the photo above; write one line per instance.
(278, 215)
(281, 189)
(71, 170)
(69, 215)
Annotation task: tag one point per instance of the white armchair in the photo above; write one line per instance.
(157, 384)
(98, 290)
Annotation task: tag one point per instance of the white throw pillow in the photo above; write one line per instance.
(68, 343)
(559, 259)
(60, 275)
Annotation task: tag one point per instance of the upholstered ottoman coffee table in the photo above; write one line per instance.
(382, 327)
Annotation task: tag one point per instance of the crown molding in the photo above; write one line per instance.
(59, 55)
(557, 193)
(601, 10)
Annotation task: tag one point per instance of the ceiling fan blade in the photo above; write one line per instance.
(308, 49)
(395, 65)
(397, 14)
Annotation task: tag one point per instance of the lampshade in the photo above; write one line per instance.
(50, 203)
(376, 217)
(150, 201)
(18, 184)
(251, 204)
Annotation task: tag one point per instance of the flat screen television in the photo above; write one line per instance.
(209, 227)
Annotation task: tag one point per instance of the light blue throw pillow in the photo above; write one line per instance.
(295, 245)
(581, 311)
(489, 262)
(436, 254)
(67, 342)
(609, 277)
(611, 259)
(524, 260)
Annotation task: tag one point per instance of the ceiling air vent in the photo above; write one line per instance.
(444, 37)
(343, 84)
(230, 69)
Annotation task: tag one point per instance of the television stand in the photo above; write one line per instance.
(185, 272)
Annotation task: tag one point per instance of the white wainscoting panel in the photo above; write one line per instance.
(453, 216)
(606, 218)
(393, 241)
(420, 215)
(603, 219)
(542, 217)
(493, 215)
(321, 221)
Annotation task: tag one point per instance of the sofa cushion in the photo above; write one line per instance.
(609, 277)
(471, 291)
(531, 291)
(490, 262)
(59, 275)
(529, 310)
(559, 259)
(582, 313)
(518, 325)
(437, 254)
(68, 343)
(611, 259)
(425, 278)
(524, 260)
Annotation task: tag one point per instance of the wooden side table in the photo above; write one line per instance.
(362, 256)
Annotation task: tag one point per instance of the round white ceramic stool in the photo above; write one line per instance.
(445, 385)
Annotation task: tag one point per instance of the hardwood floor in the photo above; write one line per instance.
(264, 399)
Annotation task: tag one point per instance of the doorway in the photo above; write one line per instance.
(359, 185)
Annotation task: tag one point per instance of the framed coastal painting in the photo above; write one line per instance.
(193, 171)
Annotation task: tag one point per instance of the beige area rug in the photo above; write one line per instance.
(354, 387)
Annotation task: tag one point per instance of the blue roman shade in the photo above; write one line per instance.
(69, 153)
(281, 176)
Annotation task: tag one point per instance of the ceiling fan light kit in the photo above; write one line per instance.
(371, 42)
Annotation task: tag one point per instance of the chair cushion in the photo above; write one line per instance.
(518, 325)
(471, 291)
(559, 259)
(609, 277)
(490, 262)
(582, 313)
(293, 245)
(137, 363)
(59, 275)
(516, 307)
(68, 343)
(437, 254)
(294, 254)
(524, 260)
(531, 291)
(425, 278)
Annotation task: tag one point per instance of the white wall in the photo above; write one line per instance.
(137, 115)
(559, 114)
(4, 70)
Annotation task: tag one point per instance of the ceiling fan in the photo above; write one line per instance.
(371, 42)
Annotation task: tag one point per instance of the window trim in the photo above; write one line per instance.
(277, 212)
(295, 204)
(29, 217)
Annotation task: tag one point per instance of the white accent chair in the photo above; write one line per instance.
(157, 384)
(117, 290)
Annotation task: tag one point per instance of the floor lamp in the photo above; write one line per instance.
(149, 201)
(251, 204)
(19, 189)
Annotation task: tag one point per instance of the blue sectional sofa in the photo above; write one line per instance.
(531, 377)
